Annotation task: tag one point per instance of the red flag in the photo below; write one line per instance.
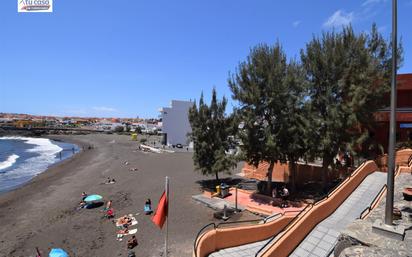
(160, 215)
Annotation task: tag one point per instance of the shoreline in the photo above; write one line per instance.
(43, 212)
(77, 151)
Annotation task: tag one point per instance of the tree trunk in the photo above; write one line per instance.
(217, 178)
(292, 181)
(269, 185)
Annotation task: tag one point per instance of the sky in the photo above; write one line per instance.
(128, 58)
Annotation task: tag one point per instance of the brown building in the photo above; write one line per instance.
(403, 113)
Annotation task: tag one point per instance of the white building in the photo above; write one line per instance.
(175, 122)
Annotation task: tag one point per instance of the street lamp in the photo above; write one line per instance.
(392, 124)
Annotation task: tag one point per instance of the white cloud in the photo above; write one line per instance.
(104, 109)
(296, 23)
(338, 19)
(369, 2)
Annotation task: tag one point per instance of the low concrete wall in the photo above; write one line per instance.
(281, 172)
(221, 238)
(401, 159)
(297, 231)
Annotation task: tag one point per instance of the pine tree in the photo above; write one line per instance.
(212, 133)
(347, 75)
(270, 96)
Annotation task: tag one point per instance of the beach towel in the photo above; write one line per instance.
(131, 232)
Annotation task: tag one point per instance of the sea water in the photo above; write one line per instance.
(22, 158)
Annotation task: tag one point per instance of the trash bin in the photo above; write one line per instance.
(225, 190)
(218, 191)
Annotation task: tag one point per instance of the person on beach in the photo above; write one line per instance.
(108, 205)
(132, 242)
(38, 254)
(124, 221)
(124, 231)
(82, 203)
(148, 207)
(109, 214)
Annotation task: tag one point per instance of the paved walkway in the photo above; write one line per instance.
(323, 237)
(247, 201)
(260, 204)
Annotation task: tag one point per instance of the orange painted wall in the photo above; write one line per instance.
(281, 172)
(401, 159)
(221, 238)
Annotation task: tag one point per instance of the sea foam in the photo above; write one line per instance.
(46, 151)
(9, 162)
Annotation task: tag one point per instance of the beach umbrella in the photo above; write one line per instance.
(93, 198)
(57, 252)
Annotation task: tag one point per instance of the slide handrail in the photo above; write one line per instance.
(197, 239)
(377, 197)
(374, 202)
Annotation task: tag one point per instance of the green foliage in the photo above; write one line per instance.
(270, 92)
(348, 76)
(211, 131)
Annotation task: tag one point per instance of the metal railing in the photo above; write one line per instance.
(372, 205)
(410, 161)
(223, 224)
(197, 239)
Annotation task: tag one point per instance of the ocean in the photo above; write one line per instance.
(22, 158)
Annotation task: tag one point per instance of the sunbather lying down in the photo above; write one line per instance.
(133, 169)
(123, 231)
(126, 221)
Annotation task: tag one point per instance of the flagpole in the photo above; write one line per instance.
(167, 215)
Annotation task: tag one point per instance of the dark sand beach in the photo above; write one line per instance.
(42, 213)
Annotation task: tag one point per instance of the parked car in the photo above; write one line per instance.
(179, 145)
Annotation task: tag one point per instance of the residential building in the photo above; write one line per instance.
(175, 123)
(403, 114)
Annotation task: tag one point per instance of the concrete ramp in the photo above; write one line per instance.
(322, 239)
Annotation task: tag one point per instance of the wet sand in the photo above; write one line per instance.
(42, 213)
